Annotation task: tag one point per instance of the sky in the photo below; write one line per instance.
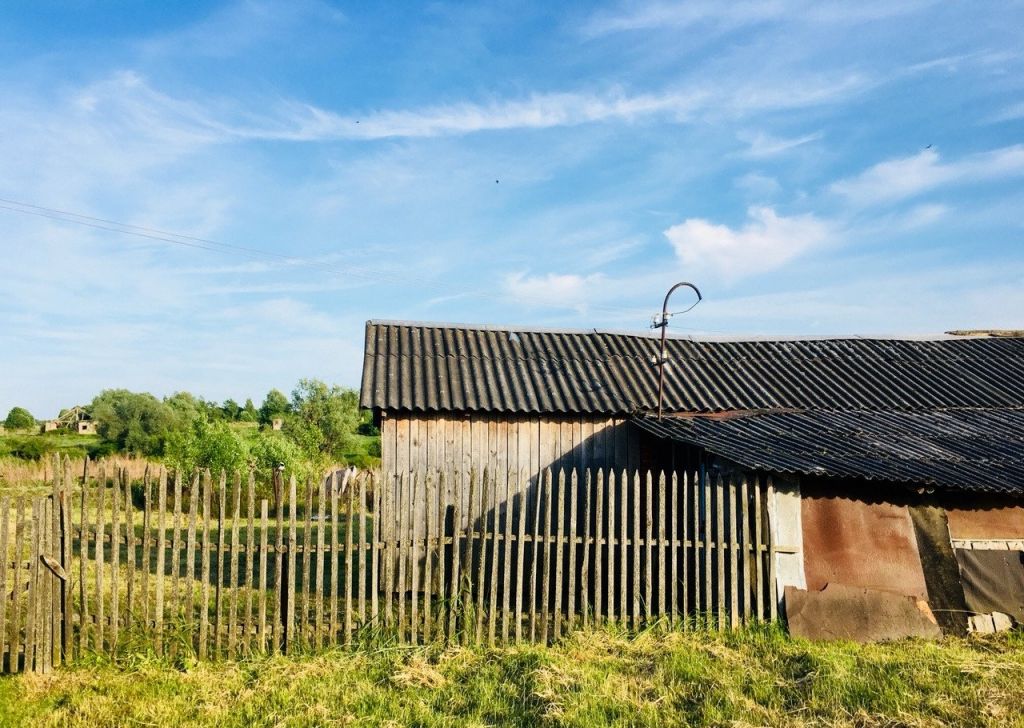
(290, 170)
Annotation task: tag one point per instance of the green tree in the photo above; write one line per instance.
(231, 409)
(186, 407)
(19, 418)
(274, 405)
(323, 419)
(137, 422)
(249, 413)
(206, 444)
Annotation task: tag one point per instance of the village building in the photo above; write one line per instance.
(891, 469)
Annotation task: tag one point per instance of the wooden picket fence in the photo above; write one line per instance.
(202, 566)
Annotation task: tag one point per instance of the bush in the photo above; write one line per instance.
(30, 448)
(134, 422)
(19, 418)
(203, 444)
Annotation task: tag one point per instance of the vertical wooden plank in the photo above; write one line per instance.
(67, 598)
(460, 557)
(115, 558)
(439, 511)
(218, 594)
(663, 568)
(610, 528)
(428, 556)
(250, 557)
(494, 531)
(759, 580)
(17, 579)
(708, 575)
(375, 551)
(264, 556)
(648, 510)
(720, 550)
(101, 533)
(351, 568)
(559, 552)
(636, 486)
(321, 497)
(535, 553)
(29, 640)
(176, 548)
(232, 619)
(481, 581)
(303, 622)
(624, 489)
(588, 491)
(745, 546)
(361, 533)
(773, 597)
(734, 607)
(293, 525)
(129, 508)
(546, 564)
(204, 595)
(56, 549)
(147, 543)
(573, 563)
(675, 536)
(335, 559)
(401, 551)
(161, 546)
(507, 509)
(599, 543)
(520, 511)
(5, 554)
(45, 649)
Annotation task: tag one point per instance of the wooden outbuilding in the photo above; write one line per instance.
(891, 469)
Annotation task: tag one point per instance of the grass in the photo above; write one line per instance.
(754, 677)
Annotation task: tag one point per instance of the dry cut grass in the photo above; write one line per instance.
(752, 678)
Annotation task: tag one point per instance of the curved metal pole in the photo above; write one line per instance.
(664, 330)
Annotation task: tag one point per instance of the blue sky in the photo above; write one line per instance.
(816, 167)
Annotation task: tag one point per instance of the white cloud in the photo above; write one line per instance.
(757, 184)
(730, 15)
(554, 289)
(897, 179)
(765, 145)
(765, 243)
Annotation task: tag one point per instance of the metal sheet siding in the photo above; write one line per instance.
(419, 367)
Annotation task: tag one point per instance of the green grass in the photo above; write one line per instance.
(756, 677)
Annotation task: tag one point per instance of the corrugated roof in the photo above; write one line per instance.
(978, 450)
(430, 367)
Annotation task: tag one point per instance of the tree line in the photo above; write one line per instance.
(321, 425)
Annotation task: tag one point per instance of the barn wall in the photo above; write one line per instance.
(985, 518)
(866, 542)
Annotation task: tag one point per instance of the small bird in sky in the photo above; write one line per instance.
(929, 146)
(495, 181)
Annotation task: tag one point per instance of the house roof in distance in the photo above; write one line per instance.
(426, 367)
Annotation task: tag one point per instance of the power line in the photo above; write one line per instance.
(199, 243)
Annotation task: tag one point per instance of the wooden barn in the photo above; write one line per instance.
(874, 487)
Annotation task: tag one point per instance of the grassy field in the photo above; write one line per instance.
(757, 677)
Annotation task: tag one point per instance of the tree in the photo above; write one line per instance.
(135, 422)
(231, 410)
(19, 418)
(249, 413)
(274, 405)
(206, 444)
(323, 419)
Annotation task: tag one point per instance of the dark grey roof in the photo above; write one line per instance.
(429, 367)
(980, 450)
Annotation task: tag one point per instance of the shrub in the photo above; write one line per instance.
(19, 418)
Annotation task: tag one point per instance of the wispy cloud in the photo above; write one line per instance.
(760, 144)
(567, 290)
(766, 242)
(898, 179)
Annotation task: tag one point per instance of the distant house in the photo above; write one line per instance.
(75, 419)
(897, 464)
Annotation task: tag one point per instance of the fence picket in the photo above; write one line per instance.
(349, 565)
(67, 548)
(289, 612)
(175, 549)
(546, 565)
(5, 515)
(264, 554)
(232, 620)
(734, 607)
(773, 598)
(204, 606)
(466, 581)
(481, 589)
(707, 538)
(100, 548)
(375, 553)
(635, 488)
(17, 579)
(663, 610)
(495, 507)
(599, 541)
(361, 535)
(428, 557)
(559, 553)
(321, 496)
(115, 558)
(572, 564)
(218, 592)
(623, 540)
(335, 558)
(404, 485)
(746, 550)
(511, 486)
(720, 550)
(29, 641)
(535, 542)
(648, 548)
(250, 555)
(303, 622)
(416, 486)
(674, 538)
(147, 543)
(129, 508)
(585, 561)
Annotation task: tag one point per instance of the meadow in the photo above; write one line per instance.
(754, 677)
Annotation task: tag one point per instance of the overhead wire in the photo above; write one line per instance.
(190, 241)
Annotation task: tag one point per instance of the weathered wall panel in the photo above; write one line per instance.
(985, 519)
(859, 543)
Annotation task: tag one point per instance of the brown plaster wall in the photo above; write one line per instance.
(859, 542)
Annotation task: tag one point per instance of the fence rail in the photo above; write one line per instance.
(203, 565)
